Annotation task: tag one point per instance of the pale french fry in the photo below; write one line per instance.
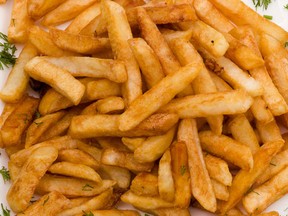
(110, 105)
(153, 147)
(260, 110)
(95, 27)
(66, 11)
(98, 202)
(210, 104)
(84, 18)
(218, 169)
(207, 12)
(165, 179)
(261, 197)
(221, 84)
(81, 43)
(18, 121)
(50, 204)
(268, 132)
(220, 190)
(61, 80)
(234, 212)
(132, 116)
(171, 35)
(44, 44)
(243, 132)
(20, 23)
(133, 142)
(39, 126)
(125, 160)
(22, 189)
(244, 179)
(147, 59)
(200, 181)
(119, 32)
(112, 212)
(111, 142)
(235, 152)
(145, 184)
(17, 81)
(108, 88)
(91, 109)
(72, 187)
(170, 212)
(272, 213)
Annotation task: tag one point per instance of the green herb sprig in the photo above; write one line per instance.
(261, 3)
(5, 211)
(7, 53)
(87, 214)
(5, 174)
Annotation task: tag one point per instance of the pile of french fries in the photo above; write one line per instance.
(161, 104)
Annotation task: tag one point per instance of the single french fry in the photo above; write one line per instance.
(112, 212)
(20, 22)
(17, 81)
(39, 126)
(133, 142)
(145, 184)
(119, 32)
(153, 147)
(22, 189)
(234, 152)
(221, 191)
(18, 121)
(234, 212)
(44, 43)
(65, 12)
(72, 187)
(112, 142)
(108, 88)
(261, 197)
(147, 59)
(272, 213)
(133, 116)
(81, 43)
(200, 181)
(210, 104)
(221, 84)
(260, 110)
(244, 179)
(91, 109)
(56, 77)
(96, 27)
(268, 132)
(110, 105)
(170, 211)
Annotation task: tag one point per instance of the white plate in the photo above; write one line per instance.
(280, 16)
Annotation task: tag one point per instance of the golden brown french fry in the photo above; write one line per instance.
(60, 79)
(18, 121)
(8, 109)
(72, 187)
(84, 18)
(221, 84)
(234, 212)
(95, 27)
(133, 116)
(39, 126)
(119, 32)
(220, 190)
(261, 197)
(170, 212)
(22, 189)
(165, 178)
(244, 179)
(44, 44)
(133, 142)
(268, 132)
(66, 11)
(111, 142)
(272, 213)
(234, 152)
(153, 147)
(210, 104)
(50, 204)
(108, 88)
(36, 9)
(147, 59)
(145, 184)
(200, 181)
(260, 110)
(17, 81)
(112, 212)
(91, 109)
(81, 43)
(20, 22)
(110, 105)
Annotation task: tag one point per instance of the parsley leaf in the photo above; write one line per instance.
(183, 170)
(5, 174)
(5, 211)
(87, 187)
(261, 3)
(7, 53)
(87, 214)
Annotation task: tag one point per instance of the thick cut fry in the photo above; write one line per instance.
(18, 121)
(20, 23)
(50, 205)
(221, 191)
(66, 11)
(145, 184)
(158, 96)
(171, 212)
(96, 27)
(119, 32)
(36, 9)
(210, 104)
(244, 179)
(260, 110)
(227, 148)
(17, 81)
(268, 132)
(112, 212)
(110, 105)
(147, 60)
(200, 181)
(44, 43)
(108, 88)
(58, 78)
(125, 160)
(133, 142)
(72, 187)
(22, 189)
(39, 126)
(81, 43)
(261, 197)
(153, 147)
(113, 70)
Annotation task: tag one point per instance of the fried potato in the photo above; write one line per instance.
(170, 212)
(133, 142)
(60, 79)
(260, 110)
(102, 88)
(145, 184)
(22, 189)
(17, 81)
(112, 212)
(110, 105)
(50, 204)
(96, 27)
(220, 190)
(269, 132)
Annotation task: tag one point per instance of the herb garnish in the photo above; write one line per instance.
(87, 187)
(261, 3)
(5, 174)
(183, 170)
(46, 200)
(269, 17)
(87, 214)
(286, 6)
(7, 53)
(5, 211)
